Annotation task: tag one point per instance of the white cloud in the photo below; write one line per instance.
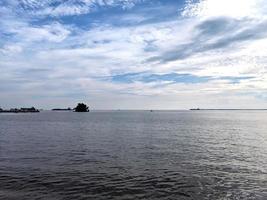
(54, 32)
(11, 49)
(45, 58)
(229, 8)
(75, 7)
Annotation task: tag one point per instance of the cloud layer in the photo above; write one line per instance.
(137, 54)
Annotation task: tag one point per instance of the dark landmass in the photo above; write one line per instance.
(81, 107)
(20, 110)
(62, 109)
(195, 109)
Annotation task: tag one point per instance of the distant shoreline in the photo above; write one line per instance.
(225, 109)
(62, 109)
(20, 110)
(129, 110)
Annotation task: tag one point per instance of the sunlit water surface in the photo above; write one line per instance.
(134, 155)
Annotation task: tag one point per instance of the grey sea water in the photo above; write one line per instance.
(134, 155)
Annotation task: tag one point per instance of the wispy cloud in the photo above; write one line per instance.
(71, 7)
(233, 9)
(217, 33)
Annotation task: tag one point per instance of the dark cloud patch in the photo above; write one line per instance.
(216, 26)
(148, 78)
(34, 73)
(215, 34)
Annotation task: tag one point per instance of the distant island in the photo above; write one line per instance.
(195, 109)
(62, 109)
(20, 110)
(81, 107)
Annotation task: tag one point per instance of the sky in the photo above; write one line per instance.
(133, 54)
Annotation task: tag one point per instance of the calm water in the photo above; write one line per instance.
(134, 155)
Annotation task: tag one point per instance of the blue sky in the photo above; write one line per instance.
(133, 54)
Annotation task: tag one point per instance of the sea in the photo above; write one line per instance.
(129, 155)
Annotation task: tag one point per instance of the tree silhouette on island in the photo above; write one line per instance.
(81, 107)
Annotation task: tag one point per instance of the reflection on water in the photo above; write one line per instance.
(134, 155)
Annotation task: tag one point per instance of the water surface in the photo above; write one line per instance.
(134, 155)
